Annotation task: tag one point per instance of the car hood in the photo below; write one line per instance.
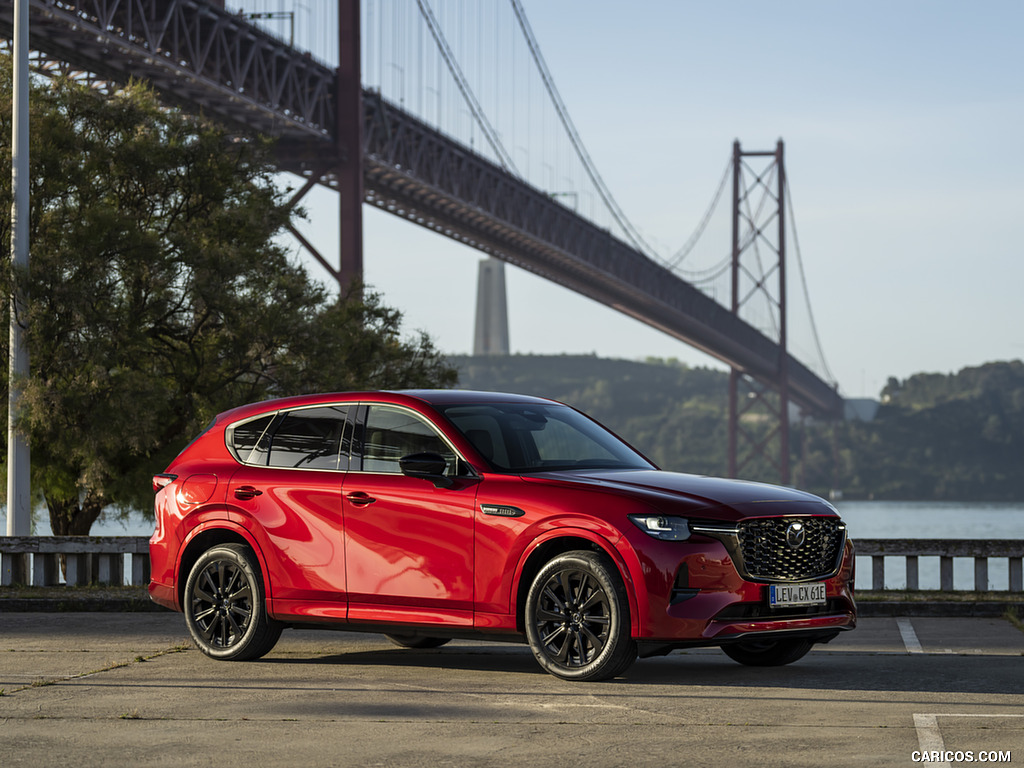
(678, 493)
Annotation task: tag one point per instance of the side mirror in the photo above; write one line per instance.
(426, 466)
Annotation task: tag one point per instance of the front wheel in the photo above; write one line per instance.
(577, 618)
(224, 604)
(768, 653)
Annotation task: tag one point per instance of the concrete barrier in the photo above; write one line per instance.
(979, 550)
(85, 559)
(101, 559)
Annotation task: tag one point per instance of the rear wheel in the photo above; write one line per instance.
(577, 618)
(417, 641)
(768, 653)
(225, 607)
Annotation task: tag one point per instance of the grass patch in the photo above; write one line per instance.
(110, 667)
(1012, 616)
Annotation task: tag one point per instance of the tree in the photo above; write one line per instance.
(158, 296)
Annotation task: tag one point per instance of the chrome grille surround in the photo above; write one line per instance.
(761, 552)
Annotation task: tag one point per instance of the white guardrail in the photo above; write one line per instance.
(78, 560)
(86, 560)
(980, 551)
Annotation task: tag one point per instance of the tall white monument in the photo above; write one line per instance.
(491, 336)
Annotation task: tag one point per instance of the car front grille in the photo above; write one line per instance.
(791, 548)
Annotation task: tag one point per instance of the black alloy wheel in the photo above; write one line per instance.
(768, 653)
(224, 605)
(577, 618)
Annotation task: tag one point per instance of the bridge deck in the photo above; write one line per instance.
(205, 58)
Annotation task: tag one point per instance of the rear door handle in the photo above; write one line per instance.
(246, 492)
(360, 499)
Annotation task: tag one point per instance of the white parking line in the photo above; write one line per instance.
(929, 737)
(910, 641)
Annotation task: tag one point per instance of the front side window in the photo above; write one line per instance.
(391, 433)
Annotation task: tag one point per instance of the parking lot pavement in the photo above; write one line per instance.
(96, 689)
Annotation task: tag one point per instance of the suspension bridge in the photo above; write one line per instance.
(405, 105)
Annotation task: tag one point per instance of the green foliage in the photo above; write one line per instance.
(955, 437)
(958, 436)
(158, 296)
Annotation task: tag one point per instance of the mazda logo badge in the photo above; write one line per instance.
(795, 535)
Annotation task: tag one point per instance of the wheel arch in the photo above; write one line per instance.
(567, 540)
(206, 537)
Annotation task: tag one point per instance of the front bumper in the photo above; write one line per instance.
(695, 596)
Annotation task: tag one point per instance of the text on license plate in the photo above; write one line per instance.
(796, 594)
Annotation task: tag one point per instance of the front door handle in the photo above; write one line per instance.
(247, 492)
(360, 499)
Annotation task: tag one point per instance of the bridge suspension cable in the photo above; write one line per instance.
(829, 376)
(467, 93)
(688, 246)
(631, 231)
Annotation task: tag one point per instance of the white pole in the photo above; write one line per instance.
(19, 512)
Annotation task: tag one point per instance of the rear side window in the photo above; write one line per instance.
(310, 438)
(250, 440)
(304, 438)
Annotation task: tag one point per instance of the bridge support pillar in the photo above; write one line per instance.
(758, 416)
(349, 145)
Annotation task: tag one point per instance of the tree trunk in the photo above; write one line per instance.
(73, 516)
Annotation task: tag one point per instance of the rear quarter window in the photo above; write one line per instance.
(249, 441)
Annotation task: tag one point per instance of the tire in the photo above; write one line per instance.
(225, 606)
(417, 641)
(577, 618)
(768, 653)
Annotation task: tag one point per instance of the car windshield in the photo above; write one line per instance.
(527, 437)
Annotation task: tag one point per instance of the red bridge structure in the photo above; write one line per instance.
(331, 130)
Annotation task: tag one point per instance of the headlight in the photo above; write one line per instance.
(663, 527)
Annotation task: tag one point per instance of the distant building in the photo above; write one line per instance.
(860, 409)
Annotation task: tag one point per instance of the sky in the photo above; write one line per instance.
(902, 122)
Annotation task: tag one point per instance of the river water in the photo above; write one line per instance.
(866, 519)
(933, 520)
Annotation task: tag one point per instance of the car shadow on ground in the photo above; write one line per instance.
(880, 672)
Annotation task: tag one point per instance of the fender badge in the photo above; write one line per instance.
(501, 510)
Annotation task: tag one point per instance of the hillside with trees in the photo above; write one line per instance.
(951, 437)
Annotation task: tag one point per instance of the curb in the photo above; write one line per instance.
(78, 605)
(985, 610)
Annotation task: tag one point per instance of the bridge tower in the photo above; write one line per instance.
(759, 410)
(491, 335)
(349, 139)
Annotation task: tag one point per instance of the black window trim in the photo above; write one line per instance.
(275, 422)
(354, 420)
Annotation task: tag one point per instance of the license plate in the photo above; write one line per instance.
(781, 595)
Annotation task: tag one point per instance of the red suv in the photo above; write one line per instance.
(428, 515)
